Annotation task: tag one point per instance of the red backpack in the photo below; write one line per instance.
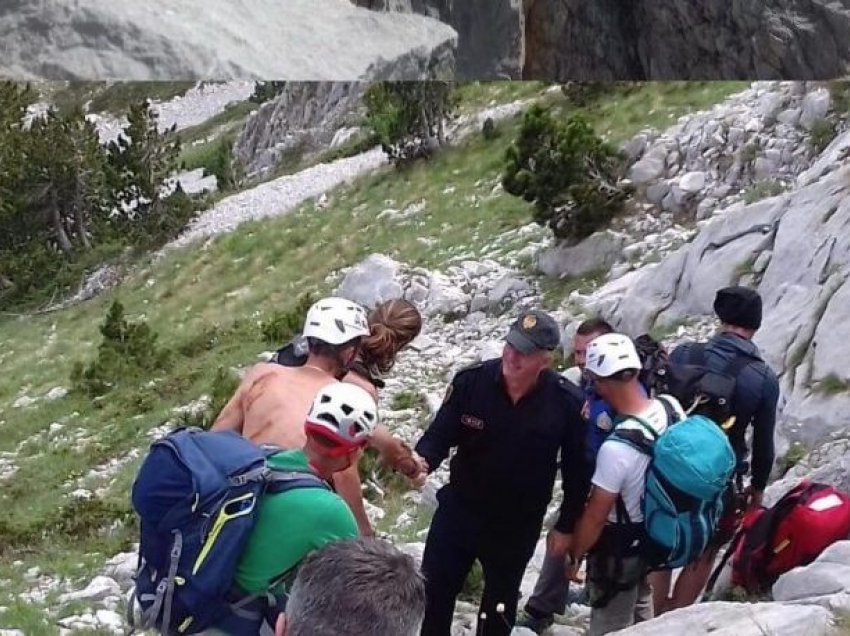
(801, 525)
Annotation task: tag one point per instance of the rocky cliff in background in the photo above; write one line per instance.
(643, 39)
(219, 39)
(677, 39)
(794, 247)
(490, 32)
(305, 118)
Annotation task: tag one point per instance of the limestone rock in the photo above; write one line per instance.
(198, 39)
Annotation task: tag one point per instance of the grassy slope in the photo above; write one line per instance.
(241, 276)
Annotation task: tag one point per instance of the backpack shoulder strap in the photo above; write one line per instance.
(669, 410)
(280, 481)
(635, 438)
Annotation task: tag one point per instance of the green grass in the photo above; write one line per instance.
(230, 119)
(627, 110)
(208, 306)
(763, 190)
(475, 96)
(832, 385)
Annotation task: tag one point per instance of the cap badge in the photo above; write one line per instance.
(529, 322)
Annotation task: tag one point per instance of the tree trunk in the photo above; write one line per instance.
(58, 226)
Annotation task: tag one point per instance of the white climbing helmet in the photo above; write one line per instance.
(611, 353)
(343, 413)
(335, 321)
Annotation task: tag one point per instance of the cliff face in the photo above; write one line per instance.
(643, 39)
(490, 32)
(220, 39)
(678, 39)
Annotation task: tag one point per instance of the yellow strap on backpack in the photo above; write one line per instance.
(222, 518)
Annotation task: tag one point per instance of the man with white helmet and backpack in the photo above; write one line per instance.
(271, 402)
(222, 560)
(631, 522)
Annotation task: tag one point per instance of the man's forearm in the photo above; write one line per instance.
(348, 486)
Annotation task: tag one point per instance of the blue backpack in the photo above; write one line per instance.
(691, 465)
(197, 495)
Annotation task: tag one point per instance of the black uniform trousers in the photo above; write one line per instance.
(459, 535)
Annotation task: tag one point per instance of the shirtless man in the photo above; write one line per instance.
(272, 401)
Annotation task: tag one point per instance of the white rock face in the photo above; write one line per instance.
(224, 39)
(738, 619)
(100, 588)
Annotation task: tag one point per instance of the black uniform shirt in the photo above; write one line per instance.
(507, 453)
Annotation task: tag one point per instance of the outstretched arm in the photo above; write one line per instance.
(348, 486)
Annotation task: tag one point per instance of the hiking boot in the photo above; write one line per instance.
(536, 624)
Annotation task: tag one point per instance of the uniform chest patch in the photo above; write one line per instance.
(604, 421)
(472, 422)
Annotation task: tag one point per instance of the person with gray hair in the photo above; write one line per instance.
(358, 586)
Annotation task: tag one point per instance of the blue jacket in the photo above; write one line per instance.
(756, 396)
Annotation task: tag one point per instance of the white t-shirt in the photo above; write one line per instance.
(621, 468)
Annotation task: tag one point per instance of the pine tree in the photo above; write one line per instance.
(568, 173)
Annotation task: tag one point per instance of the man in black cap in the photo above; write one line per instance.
(756, 394)
(508, 418)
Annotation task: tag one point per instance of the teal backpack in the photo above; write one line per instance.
(691, 465)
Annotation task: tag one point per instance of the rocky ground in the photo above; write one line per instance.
(697, 187)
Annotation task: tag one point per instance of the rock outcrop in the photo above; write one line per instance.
(675, 39)
(308, 40)
(490, 32)
(303, 119)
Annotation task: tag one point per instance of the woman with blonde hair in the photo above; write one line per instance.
(393, 325)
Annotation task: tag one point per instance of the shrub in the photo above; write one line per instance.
(568, 172)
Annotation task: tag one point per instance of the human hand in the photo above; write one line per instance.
(571, 570)
(558, 542)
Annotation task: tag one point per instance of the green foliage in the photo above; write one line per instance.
(567, 172)
(584, 93)
(222, 388)
(489, 129)
(833, 384)
(795, 454)
(473, 586)
(265, 91)
(67, 202)
(128, 353)
(406, 400)
(283, 325)
(408, 118)
(764, 189)
(821, 134)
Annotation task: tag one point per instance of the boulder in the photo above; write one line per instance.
(738, 619)
(306, 40)
(372, 281)
(828, 574)
(599, 251)
(302, 120)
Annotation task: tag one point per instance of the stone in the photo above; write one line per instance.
(302, 120)
(599, 251)
(815, 107)
(98, 589)
(167, 41)
(507, 286)
(790, 117)
(692, 182)
(656, 192)
(372, 281)
(56, 393)
(828, 574)
(647, 169)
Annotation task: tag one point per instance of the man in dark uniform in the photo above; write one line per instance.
(508, 418)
